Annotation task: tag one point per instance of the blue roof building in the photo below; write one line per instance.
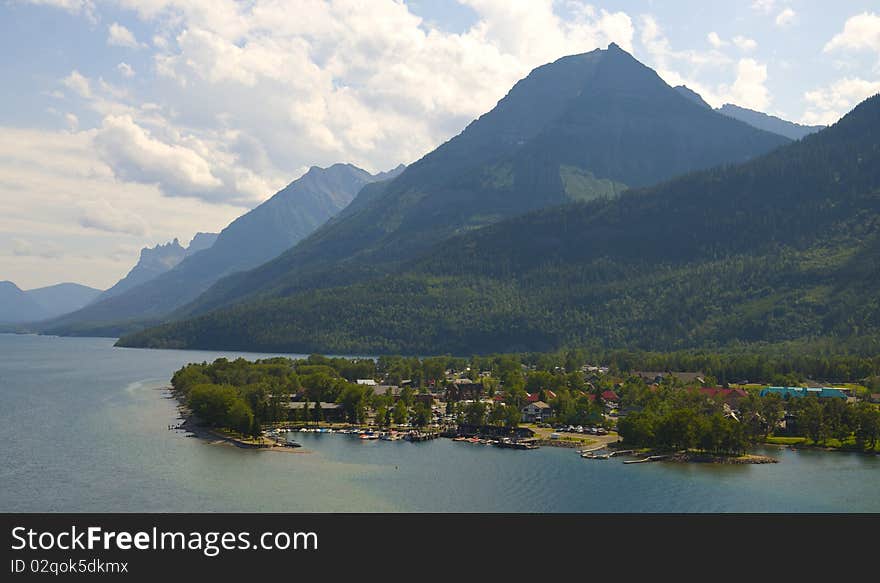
(788, 392)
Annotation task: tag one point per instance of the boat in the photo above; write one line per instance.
(368, 436)
(292, 444)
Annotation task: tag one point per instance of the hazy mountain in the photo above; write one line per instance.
(255, 237)
(157, 260)
(152, 262)
(769, 123)
(784, 248)
(762, 121)
(582, 127)
(200, 242)
(693, 96)
(17, 305)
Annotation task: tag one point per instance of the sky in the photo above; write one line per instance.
(128, 123)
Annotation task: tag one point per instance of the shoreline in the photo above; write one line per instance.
(191, 426)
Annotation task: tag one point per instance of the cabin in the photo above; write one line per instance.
(536, 412)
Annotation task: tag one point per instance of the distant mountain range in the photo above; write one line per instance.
(784, 248)
(584, 128)
(17, 305)
(255, 237)
(157, 260)
(770, 123)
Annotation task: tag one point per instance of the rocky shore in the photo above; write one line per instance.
(721, 459)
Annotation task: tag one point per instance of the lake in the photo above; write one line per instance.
(83, 427)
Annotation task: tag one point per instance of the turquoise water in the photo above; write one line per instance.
(83, 427)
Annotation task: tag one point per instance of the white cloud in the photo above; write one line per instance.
(369, 83)
(72, 121)
(715, 40)
(125, 70)
(76, 209)
(745, 43)
(118, 35)
(46, 250)
(786, 17)
(103, 216)
(828, 104)
(749, 89)
(85, 7)
(78, 83)
(683, 67)
(136, 155)
(764, 6)
(861, 32)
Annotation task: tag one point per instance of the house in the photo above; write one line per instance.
(610, 397)
(392, 390)
(874, 398)
(536, 412)
(463, 390)
(331, 412)
(426, 398)
(687, 378)
(790, 392)
(368, 382)
(534, 397)
(730, 397)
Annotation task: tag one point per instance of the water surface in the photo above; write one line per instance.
(83, 427)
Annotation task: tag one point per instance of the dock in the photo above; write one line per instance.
(652, 458)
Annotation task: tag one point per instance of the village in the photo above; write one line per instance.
(593, 409)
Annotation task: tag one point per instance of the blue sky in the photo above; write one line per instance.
(127, 123)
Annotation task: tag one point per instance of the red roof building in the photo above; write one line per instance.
(610, 396)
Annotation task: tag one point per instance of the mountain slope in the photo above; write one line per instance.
(152, 262)
(17, 305)
(63, 297)
(782, 248)
(692, 95)
(583, 127)
(770, 123)
(253, 238)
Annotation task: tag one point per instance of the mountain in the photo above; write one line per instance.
(756, 119)
(583, 127)
(768, 123)
(200, 242)
(152, 262)
(686, 91)
(157, 260)
(255, 237)
(784, 248)
(17, 305)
